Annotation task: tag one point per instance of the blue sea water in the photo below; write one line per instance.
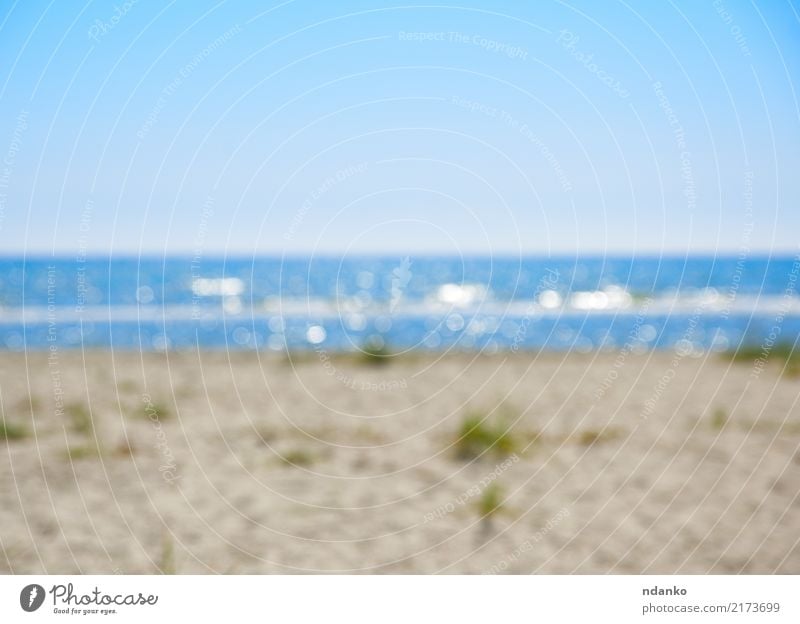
(690, 304)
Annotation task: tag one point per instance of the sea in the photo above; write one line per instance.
(692, 305)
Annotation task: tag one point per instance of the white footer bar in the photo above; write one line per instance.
(401, 599)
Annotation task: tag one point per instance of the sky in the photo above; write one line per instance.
(300, 127)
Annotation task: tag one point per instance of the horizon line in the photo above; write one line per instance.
(565, 255)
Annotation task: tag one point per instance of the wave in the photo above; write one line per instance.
(223, 299)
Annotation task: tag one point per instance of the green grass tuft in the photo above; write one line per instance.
(719, 418)
(748, 353)
(591, 437)
(80, 418)
(792, 368)
(167, 563)
(491, 501)
(156, 412)
(375, 352)
(10, 431)
(478, 436)
(297, 457)
(786, 354)
(85, 451)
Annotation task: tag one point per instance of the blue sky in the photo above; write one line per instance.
(361, 127)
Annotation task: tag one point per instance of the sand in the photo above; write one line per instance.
(260, 463)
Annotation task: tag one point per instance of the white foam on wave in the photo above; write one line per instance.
(217, 286)
(464, 302)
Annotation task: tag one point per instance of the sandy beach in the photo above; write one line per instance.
(260, 463)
